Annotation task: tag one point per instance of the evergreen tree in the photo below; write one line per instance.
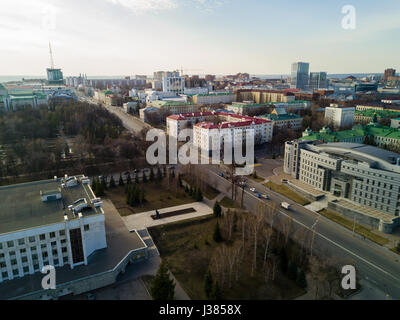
(142, 196)
(163, 288)
(208, 284)
(94, 181)
(104, 182)
(99, 190)
(191, 191)
(137, 178)
(301, 279)
(121, 181)
(217, 210)
(292, 270)
(180, 180)
(186, 189)
(151, 175)
(144, 177)
(217, 233)
(216, 293)
(128, 179)
(112, 183)
(159, 174)
(199, 195)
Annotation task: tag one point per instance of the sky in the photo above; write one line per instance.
(127, 37)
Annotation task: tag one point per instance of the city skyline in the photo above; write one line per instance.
(217, 37)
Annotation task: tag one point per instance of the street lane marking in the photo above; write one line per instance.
(322, 236)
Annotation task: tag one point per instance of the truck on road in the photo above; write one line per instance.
(285, 205)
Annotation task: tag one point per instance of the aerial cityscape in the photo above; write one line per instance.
(231, 159)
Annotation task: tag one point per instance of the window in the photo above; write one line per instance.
(5, 275)
(62, 232)
(10, 244)
(42, 237)
(86, 227)
(43, 246)
(12, 253)
(21, 242)
(54, 243)
(24, 259)
(23, 251)
(2, 265)
(52, 234)
(64, 249)
(26, 269)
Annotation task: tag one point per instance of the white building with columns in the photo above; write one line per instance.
(54, 222)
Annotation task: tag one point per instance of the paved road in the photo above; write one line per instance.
(378, 265)
(130, 122)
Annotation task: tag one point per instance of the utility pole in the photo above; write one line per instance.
(313, 228)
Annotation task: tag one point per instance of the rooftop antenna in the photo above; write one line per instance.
(51, 57)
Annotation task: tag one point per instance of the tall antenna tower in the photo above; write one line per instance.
(51, 57)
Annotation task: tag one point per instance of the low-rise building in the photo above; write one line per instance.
(244, 108)
(214, 98)
(56, 222)
(213, 125)
(261, 96)
(282, 120)
(174, 107)
(366, 176)
(340, 117)
(368, 115)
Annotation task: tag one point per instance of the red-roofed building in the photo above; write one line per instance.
(209, 128)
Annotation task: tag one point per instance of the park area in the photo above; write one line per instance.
(156, 195)
(190, 250)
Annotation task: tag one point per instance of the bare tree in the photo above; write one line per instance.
(268, 232)
(255, 224)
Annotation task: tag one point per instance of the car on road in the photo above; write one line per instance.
(221, 174)
(253, 189)
(285, 205)
(258, 195)
(265, 196)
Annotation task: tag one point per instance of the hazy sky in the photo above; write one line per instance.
(126, 37)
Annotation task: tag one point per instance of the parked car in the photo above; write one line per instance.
(221, 174)
(258, 195)
(265, 196)
(253, 189)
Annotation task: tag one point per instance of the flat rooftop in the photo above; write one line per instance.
(22, 206)
(119, 243)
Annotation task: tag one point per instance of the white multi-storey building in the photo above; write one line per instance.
(174, 85)
(55, 222)
(213, 126)
(340, 117)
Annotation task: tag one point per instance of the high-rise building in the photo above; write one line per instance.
(299, 75)
(389, 73)
(318, 80)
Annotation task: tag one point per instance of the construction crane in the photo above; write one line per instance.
(51, 57)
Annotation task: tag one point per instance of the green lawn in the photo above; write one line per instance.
(287, 192)
(157, 197)
(210, 193)
(229, 203)
(349, 224)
